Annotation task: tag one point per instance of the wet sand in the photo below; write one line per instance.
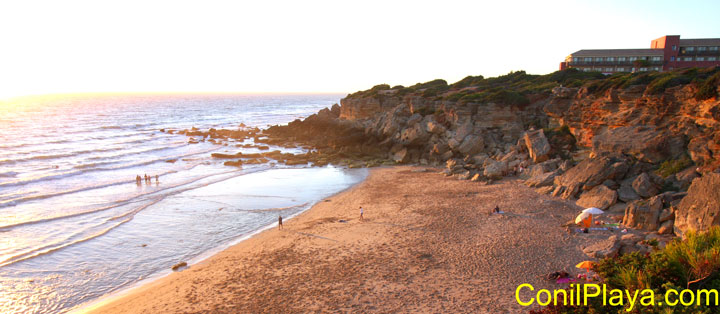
(428, 244)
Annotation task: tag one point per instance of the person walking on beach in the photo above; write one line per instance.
(147, 179)
(361, 214)
(280, 226)
(138, 180)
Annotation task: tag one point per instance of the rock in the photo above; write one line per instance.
(544, 190)
(667, 214)
(471, 145)
(666, 227)
(700, 209)
(414, 136)
(435, 127)
(476, 178)
(179, 265)
(650, 144)
(494, 169)
(643, 214)
(464, 175)
(600, 196)
(591, 172)
(631, 239)
(627, 194)
(606, 248)
(451, 163)
(684, 178)
(644, 186)
(542, 179)
(537, 145)
(401, 156)
(611, 184)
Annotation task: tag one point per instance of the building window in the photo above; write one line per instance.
(598, 59)
(688, 49)
(656, 69)
(713, 48)
(655, 58)
(672, 58)
(609, 59)
(586, 69)
(588, 59)
(674, 47)
(712, 58)
(598, 69)
(608, 69)
(687, 58)
(643, 69)
(632, 58)
(621, 69)
(702, 48)
(621, 58)
(699, 59)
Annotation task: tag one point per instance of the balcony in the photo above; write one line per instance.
(699, 53)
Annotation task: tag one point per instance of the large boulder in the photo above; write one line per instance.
(600, 196)
(700, 209)
(494, 169)
(644, 214)
(590, 173)
(471, 145)
(649, 144)
(644, 186)
(541, 179)
(414, 136)
(627, 194)
(605, 248)
(537, 145)
(402, 156)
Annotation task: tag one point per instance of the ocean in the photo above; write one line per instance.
(75, 225)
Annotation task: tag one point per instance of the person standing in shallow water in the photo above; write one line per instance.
(280, 226)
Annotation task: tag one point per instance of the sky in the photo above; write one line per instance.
(312, 46)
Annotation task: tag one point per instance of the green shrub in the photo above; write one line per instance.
(673, 166)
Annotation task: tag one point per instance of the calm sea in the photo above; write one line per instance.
(75, 226)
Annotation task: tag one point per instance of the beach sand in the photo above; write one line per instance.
(427, 245)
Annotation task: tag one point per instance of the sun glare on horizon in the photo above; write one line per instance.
(82, 46)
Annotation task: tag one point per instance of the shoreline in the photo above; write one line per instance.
(424, 239)
(201, 258)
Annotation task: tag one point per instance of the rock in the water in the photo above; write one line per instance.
(537, 145)
(606, 248)
(179, 265)
(600, 196)
(644, 186)
(700, 209)
(643, 214)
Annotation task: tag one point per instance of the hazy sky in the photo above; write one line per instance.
(312, 46)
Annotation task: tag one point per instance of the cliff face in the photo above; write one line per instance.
(650, 128)
(645, 141)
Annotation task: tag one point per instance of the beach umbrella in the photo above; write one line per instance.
(593, 211)
(585, 264)
(582, 217)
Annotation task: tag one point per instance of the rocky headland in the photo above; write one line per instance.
(641, 146)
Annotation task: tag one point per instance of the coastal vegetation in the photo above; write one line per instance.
(515, 87)
(692, 263)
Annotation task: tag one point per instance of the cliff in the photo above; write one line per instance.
(613, 142)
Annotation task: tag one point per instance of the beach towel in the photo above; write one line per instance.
(566, 280)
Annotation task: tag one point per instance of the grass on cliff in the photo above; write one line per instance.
(673, 166)
(693, 263)
(517, 88)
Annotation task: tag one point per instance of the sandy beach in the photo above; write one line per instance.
(427, 245)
